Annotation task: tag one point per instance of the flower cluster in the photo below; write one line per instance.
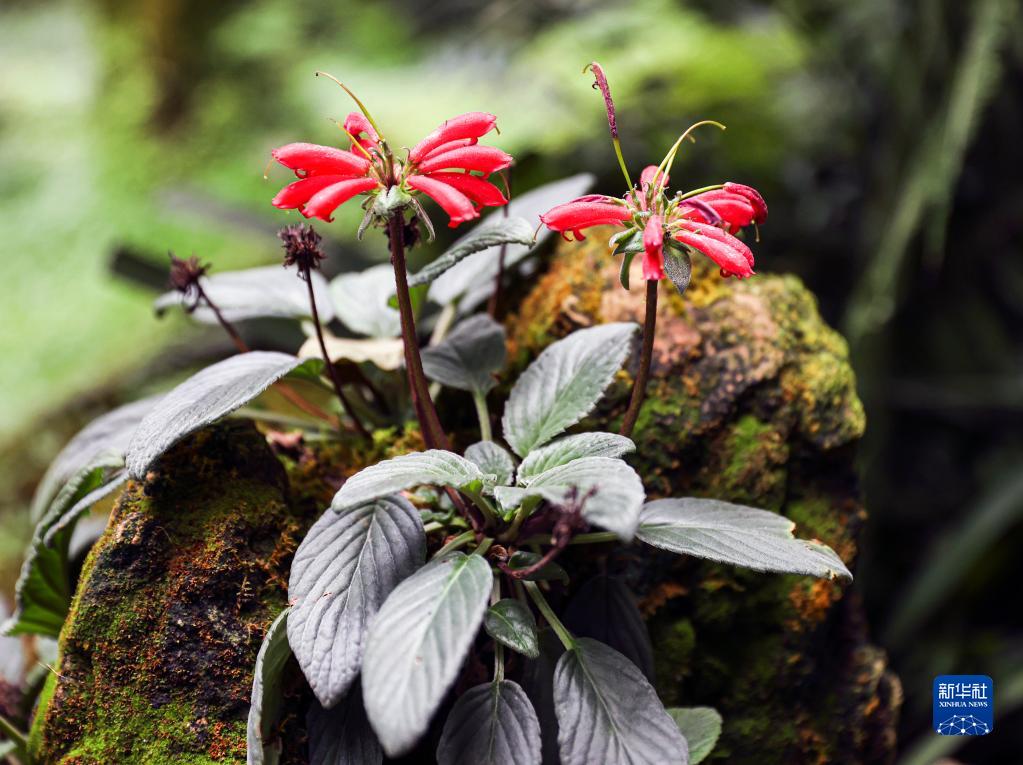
(442, 166)
(705, 221)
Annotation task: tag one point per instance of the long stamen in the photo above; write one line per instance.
(353, 139)
(609, 105)
(362, 106)
(665, 167)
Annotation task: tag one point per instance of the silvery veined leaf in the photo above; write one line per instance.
(538, 683)
(471, 282)
(492, 459)
(605, 609)
(494, 232)
(417, 643)
(266, 694)
(343, 571)
(204, 398)
(610, 491)
(701, 727)
(341, 735)
(743, 536)
(564, 384)
(469, 357)
(678, 266)
(265, 292)
(609, 713)
(491, 724)
(511, 623)
(362, 301)
(434, 467)
(570, 448)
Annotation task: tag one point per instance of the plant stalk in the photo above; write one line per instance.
(548, 613)
(645, 359)
(483, 413)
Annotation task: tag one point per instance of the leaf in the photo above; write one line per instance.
(491, 724)
(266, 693)
(435, 467)
(471, 282)
(469, 357)
(361, 301)
(701, 727)
(570, 448)
(417, 643)
(538, 682)
(204, 398)
(343, 571)
(341, 735)
(492, 459)
(104, 438)
(387, 353)
(548, 572)
(605, 609)
(564, 384)
(614, 504)
(107, 486)
(495, 231)
(743, 536)
(511, 623)
(265, 292)
(679, 268)
(609, 713)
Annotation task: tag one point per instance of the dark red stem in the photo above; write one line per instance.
(645, 359)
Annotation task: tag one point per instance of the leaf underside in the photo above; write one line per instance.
(341, 735)
(266, 694)
(701, 727)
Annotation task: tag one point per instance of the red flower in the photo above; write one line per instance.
(735, 204)
(731, 254)
(653, 246)
(591, 210)
(329, 177)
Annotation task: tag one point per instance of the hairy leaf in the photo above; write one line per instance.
(341, 735)
(609, 490)
(496, 231)
(204, 398)
(468, 358)
(743, 536)
(266, 694)
(605, 609)
(679, 267)
(564, 384)
(417, 643)
(609, 713)
(548, 572)
(362, 301)
(701, 727)
(343, 571)
(511, 623)
(435, 467)
(538, 682)
(570, 448)
(492, 459)
(265, 292)
(491, 724)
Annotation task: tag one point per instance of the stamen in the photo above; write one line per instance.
(665, 167)
(362, 107)
(266, 170)
(352, 138)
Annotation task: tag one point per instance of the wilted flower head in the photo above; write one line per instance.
(185, 276)
(301, 247)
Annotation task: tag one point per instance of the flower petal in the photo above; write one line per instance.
(733, 257)
(734, 210)
(653, 246)
(583, 213)
(647, 176)
(754, 197)
(456, 204)
(313, 159)
(470, 125)
(298, 193)
(485, 159)
(478, 190)
(356, 124)
(324, 202)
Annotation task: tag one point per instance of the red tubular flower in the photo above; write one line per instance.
(585, 212)
(470, 126)
(647, 177)
(735, 204)
(731, 254)
(452, 201)
(325, 201)
(308, 159)
(485, 159)
(653, 246)
(355, 125)
(481, 192)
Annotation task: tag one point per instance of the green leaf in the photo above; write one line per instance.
(609, 713)
(343, 571)
(495, 231)
(701, 727)
(743, 536)
(605, 609)
(204, 398)
(435, 467)
(266, 694)
(491, 724)
(362, 301)
(570, 448)
(341, 735)
(265, 292)
(417, 643)
(511, 623)
(492, 459)
(469, 357)
(610, 491)
(548, 572)
(564, 384)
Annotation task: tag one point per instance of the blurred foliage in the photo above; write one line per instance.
(884, 135)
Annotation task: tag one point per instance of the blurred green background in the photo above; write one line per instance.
(885, 136)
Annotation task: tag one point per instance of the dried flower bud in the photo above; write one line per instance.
(301, 247)
(184, 277)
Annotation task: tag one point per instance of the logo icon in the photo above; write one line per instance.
(963, 705)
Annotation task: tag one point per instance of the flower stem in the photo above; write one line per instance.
(426, 412)
(331, 371)
(548, 613)
(645, 359)
(460, 541)
(483, 413)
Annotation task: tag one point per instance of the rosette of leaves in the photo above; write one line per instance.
(382, 630)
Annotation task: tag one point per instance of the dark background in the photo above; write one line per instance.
(885, 136)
